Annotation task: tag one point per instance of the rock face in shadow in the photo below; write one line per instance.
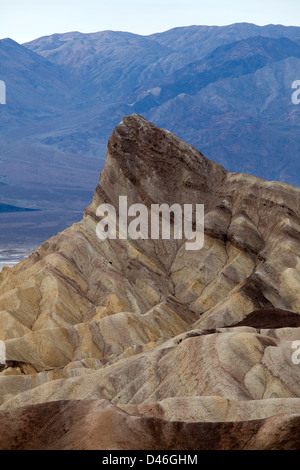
(199, 343)
(271, 318)
(98, 425)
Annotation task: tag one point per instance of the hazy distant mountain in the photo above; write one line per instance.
(226, 90)
(41, 104)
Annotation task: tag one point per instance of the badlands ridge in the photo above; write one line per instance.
(142, 344)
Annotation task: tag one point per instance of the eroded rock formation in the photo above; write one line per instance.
(147, 335)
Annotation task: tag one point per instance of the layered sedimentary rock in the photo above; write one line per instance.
(149, 333)
(99, 425)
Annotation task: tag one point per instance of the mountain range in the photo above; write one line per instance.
(225, 90)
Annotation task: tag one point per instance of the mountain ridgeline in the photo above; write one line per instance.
(225, 90)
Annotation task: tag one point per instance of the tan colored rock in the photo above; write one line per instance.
(156, 329)
(98, 425)
(237, 365)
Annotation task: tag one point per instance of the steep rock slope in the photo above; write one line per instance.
(164, 333)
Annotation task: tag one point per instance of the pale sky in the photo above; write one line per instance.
(24, 20)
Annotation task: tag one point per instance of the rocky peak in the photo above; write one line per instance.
(151, 327)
